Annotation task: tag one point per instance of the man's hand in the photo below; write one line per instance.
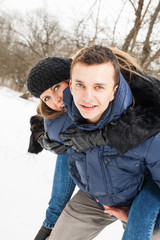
(118, 212)
(81, 140)
(54, 147)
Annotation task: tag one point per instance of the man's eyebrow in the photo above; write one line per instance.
(79, 81)
(100, 84)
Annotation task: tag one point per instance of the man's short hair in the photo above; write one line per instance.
(97, 54)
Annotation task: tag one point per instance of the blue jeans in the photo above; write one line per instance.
(143, 214)
(62, 189)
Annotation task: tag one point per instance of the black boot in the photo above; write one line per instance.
(43, 233)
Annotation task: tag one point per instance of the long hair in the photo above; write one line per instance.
(46, 112)
(128, 63)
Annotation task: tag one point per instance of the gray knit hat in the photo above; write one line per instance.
(46, 73)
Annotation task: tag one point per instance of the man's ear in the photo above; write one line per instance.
(114, 93)
(115, 90)
(70, 85)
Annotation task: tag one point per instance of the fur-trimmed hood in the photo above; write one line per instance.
(141, 121)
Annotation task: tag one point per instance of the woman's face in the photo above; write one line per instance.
(53, 96)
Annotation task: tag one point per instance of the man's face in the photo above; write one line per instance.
(93, 88)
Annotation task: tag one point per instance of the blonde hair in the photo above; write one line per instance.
(128, 63)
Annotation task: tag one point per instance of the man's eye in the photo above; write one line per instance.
(99, 87)
(79, 85)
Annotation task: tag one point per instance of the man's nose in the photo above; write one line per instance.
(88, 95)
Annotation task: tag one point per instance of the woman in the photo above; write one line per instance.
(51, 72)
(45, 97)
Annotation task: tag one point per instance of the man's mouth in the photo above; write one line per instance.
(88, 107)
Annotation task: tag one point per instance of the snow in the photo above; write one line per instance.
(26, 179)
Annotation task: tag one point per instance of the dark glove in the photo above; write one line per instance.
(55, 147)
(43, 233)
(37, 129)
(81, 140)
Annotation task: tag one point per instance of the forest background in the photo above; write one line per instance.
(27, 36)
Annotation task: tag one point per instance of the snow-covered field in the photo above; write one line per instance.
(26, 179)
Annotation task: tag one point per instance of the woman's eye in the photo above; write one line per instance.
(56, 87)
(46, 99)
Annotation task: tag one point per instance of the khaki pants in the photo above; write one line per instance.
(82, 219)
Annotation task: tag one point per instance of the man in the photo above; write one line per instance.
(100, 96)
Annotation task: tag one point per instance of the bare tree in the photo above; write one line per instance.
(23, 41)
(134, 31)
(87, 29)
(6, 45)
(146, 22)
(44, 34)
(147, 45)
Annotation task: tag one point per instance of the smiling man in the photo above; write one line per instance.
(93, 88)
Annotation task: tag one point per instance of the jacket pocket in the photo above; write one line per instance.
(129, 165)
(128, 176)
(126, 194)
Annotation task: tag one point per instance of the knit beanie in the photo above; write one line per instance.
(46, 73)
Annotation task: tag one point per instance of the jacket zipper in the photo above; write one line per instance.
(105, 168)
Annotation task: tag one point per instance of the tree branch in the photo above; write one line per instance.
(97, 21)
(135, 28)
(146, 47)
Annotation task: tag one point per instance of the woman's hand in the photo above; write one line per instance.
(52, 146)
(37, 129)
(118, 212)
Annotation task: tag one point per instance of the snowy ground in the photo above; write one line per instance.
(26, 179)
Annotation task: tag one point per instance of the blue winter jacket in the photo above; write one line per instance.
(100, 171)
